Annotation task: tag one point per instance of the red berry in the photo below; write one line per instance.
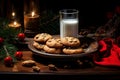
(21, 36)
(18, 54)
(8, 61)
(1, 40)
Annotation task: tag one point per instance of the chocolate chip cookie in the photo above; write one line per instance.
(42, 37)
(70, 41)
(38, 45)
(54, 43)
(72, 51)
(52, 50)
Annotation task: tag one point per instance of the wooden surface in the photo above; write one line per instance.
(18, 69)
(68, 67)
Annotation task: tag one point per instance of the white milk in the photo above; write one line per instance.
(69, 27)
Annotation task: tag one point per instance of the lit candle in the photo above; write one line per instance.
(14, 24)
(31, 23)
(33, 13)
(13, 14)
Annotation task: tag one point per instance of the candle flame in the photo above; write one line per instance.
(33, 13)
(15, 23)
(13, 14)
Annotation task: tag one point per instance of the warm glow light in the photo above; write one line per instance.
(33, 13)
(13, 13)
(15, 23)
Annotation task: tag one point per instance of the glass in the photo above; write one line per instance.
(69, 23)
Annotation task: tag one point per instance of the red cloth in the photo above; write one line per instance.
(109, 53)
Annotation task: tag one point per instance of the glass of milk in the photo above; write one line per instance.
(69, 23)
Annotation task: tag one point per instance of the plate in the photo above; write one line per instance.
(92, 47)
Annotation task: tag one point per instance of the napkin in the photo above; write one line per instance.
(108, 52)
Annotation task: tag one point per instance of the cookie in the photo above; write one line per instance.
(38, 45)
(52, 50)
(28, 63)
(70, 41)
(42, 37)
(54, 43)
(72, 51)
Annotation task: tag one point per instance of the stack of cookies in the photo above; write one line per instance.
(71, 45)
(40, 40)
(53, 45)
(66, 45)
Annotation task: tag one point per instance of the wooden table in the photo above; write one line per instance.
(88, 71)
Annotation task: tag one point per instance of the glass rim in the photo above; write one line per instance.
(69, 11)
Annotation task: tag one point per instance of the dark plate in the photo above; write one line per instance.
(92, 47)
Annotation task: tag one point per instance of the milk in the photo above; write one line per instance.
(69, 27)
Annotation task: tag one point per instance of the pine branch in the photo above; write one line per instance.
(9, 35)
(6, 50)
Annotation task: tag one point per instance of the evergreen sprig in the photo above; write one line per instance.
(10, 48)
(9, 35)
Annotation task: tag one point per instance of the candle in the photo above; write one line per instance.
(32, 15)
(31, 23)
(14, 24)
(13, 14)
(69, 27)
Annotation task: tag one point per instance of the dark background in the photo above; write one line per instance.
(91, 12)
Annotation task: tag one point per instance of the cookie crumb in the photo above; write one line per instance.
(52, 67)
(36, 69)
(28, 63)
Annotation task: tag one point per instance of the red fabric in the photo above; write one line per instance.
(109, 53)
